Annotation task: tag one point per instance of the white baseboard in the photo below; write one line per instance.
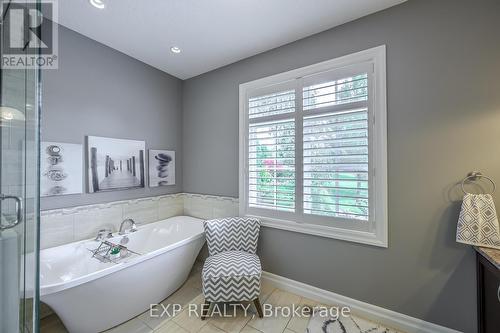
(372, 312)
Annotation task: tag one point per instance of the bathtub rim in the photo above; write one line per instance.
(61, 286)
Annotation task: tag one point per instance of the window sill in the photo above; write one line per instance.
(329, 232)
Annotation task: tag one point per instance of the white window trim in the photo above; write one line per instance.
(379, 236)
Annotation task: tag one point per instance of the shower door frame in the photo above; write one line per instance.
(26, 166)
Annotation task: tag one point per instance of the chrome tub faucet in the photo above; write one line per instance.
(133, 227)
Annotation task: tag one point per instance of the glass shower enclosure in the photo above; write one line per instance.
(19, 191)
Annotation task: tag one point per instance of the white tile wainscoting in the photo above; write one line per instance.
(67, 225)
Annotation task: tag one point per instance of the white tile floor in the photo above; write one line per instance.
(190, 293)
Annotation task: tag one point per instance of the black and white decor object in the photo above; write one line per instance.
(478, 222)
(232, 271)
(115, 164)
(61, 168)
(319, 323)
(231, 276)
(232, 234)
(161, 167)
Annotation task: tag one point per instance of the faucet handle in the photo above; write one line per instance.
(103, 234)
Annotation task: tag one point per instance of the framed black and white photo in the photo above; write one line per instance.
(61, 168)
(115, 164)
(161, 167)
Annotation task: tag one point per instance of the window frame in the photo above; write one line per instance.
(377, 231)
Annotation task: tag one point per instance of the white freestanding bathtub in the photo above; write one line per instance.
(91, 296)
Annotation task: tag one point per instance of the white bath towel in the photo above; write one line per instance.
(478, 221)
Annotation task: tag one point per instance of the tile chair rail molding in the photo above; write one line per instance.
(67, 225)
(232, 271)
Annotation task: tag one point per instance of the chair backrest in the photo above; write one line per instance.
(232, 234)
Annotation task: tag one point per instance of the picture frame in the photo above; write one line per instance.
(115, 164)
(161, 167)
(61, 168)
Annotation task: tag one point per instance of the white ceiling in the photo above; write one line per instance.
(211, 33)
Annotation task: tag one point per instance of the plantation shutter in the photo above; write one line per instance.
(336, 145)
(308, 148)
(271, 151)
(313, 149)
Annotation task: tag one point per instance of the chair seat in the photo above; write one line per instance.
(231, 276)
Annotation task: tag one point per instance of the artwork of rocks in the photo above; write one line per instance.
(54, 171)
(162, 167)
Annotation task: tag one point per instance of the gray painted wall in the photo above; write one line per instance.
(443, 121)
(100, 91)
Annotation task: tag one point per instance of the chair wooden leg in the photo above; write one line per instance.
(256, 302)
(204, 310)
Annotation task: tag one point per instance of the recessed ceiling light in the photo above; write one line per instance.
(175, 49)
(98, 4)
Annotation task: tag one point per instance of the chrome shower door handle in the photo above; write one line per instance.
(19, 211)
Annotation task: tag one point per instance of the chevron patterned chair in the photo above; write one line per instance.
(232, 271)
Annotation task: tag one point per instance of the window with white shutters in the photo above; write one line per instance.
(271, 152)
(312, 150)
(335, 145)
(336, 164)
